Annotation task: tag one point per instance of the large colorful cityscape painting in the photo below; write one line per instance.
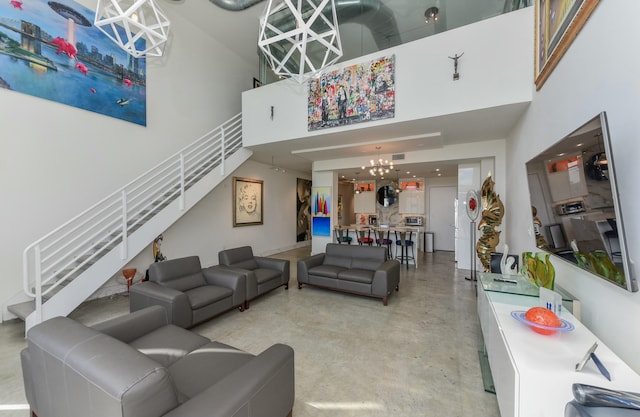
(354, 94)
(51, 50)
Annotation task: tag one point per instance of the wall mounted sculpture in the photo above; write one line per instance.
(492, 213)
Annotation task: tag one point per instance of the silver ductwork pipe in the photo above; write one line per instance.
(377, 17)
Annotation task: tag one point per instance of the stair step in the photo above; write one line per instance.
(22, 310)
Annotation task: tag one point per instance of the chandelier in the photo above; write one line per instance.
(379, 167)
(299, 39)
(139, 27)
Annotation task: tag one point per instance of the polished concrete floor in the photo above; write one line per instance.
(417, 357)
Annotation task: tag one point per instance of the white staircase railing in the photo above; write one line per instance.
(56, 259)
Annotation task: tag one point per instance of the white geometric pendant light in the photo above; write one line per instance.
(300, 38)
(129, 22)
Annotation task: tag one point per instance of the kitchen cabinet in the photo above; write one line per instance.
(412, 202)
(365, 202)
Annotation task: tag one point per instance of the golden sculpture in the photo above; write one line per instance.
(492, 213)
(537, 228)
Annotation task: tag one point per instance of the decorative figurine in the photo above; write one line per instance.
(455, 58)
(157, 254)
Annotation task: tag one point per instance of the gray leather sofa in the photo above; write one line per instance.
(262, 274)
(188, 293)
(363, 270)
(138, 365)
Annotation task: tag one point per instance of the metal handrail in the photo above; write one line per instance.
(61, 254)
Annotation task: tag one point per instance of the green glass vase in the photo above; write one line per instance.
(538, 268)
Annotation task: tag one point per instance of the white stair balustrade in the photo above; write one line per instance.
(62, 269)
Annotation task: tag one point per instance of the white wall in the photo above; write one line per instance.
(495, 70)
(57, 160)
(598, 73)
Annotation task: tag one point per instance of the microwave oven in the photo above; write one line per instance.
(571, 208)
(413, 221)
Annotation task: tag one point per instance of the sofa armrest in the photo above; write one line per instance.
(386, 278)
(304, 265)
(130, 327)
(281, 265)
(175, 303)
(228, 278)
(262, 387)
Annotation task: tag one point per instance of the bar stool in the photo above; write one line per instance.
(384, 241)
(404, 240)
(364, 237)
(342, 235)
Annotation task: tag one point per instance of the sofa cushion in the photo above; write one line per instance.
(207, 294)
(357, 275)
(366, 263)
(249, 264)
(341, 261)
(105, 376)
(329, 271)
(263, 275)
(168, 343)
(204, 367)
(233, 256)
(186, 282)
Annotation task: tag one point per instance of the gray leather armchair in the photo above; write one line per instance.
(262, 274)
(138, 365)
(188, 293)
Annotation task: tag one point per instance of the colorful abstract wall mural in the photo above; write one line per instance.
(303, 208)
(52, 50)
(321, 211)
(354, 94)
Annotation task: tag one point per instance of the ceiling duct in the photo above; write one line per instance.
(377, 17)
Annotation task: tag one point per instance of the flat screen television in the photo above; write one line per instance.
(575, 203)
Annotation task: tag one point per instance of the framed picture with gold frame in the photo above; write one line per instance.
(558, 22)
(247, 202)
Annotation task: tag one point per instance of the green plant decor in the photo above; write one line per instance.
(538, 268)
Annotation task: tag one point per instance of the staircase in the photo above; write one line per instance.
(63, 268)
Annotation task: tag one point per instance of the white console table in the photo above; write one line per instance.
(533, 373)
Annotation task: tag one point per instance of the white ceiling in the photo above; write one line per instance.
(238, 30)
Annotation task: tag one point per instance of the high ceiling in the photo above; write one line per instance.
(382, 24)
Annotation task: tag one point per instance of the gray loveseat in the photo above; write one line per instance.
(363, 270)
(188, 293)
(262, 274)
(139, 366)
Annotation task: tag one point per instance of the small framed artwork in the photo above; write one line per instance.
(256, 83)
(558, 22)
(247, 202)
(321, 211)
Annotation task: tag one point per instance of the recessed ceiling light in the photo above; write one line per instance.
(408, 172)
(437, 169)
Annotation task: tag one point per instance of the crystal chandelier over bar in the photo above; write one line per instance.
(379, 167)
